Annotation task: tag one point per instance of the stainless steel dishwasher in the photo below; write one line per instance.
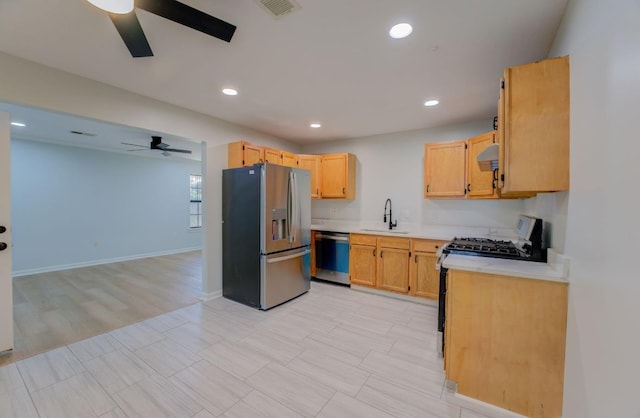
(332, 256)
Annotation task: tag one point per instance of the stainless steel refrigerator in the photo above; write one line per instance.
(266, 234)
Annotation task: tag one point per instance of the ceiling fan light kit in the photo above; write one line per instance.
(156, 143)
(132, 34)
(114, 6)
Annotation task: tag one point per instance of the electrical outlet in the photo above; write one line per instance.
(332, 212)
(434, 215)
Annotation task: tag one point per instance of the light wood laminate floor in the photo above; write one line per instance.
(55, 309)
(333, 352)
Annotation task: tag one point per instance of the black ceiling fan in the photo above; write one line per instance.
(156, 143)
(134, 38)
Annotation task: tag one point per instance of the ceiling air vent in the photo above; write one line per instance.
(279, 8)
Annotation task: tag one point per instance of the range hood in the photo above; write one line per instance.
(488, 158)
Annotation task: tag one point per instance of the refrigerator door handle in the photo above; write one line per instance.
(296, 207)
(293, 207)
(288, 257)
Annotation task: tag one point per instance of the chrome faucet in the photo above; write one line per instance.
(391, 223)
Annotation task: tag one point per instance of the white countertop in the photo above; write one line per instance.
(439, 232)
(555, 269)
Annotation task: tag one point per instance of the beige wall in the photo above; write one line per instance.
(391, 166)
(602, 375)
(26, 83)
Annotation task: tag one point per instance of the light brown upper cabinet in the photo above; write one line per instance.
(272, 156)
(444, 169)
(312, 163)
(533, 128)
(480, 184)
(289, 159)
(451, 169)
(338, 176)
(243, 154)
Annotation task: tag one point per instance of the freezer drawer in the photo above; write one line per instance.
(285, 275)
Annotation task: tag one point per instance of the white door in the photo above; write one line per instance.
(6, 298)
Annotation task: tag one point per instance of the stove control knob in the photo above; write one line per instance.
(3, 229)
(3, 246)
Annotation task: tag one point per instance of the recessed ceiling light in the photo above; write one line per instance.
(315, 125)
(22, 125)
(230, 92)
(401, 30)
(431, 102)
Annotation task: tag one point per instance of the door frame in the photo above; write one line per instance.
(6, 287)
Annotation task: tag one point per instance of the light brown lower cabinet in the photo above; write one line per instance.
(393, 264)
(400, 265)
(362, 260)
(424, 279)
(505, 341)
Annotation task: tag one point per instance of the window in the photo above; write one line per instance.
(195, 199)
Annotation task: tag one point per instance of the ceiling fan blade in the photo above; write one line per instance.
(184, 151)
(188, 16)
(134, 145)
(131, 32)
(146, 149)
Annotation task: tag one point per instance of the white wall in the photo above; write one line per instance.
(74, 206)
(24, 82)
(391, 166)
(603, 335)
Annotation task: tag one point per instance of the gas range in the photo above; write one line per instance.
(483, 247)
(527, 248)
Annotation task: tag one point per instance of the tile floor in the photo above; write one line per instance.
(333, 352)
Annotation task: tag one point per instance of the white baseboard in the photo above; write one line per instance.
(210, 296)
(60, 267)
(451, 394)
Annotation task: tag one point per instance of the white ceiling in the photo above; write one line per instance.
(331, 61)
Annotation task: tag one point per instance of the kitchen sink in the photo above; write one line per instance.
(386, 231)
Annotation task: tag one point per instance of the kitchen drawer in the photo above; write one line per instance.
(391, 242)
(427, 245)
(363, 239)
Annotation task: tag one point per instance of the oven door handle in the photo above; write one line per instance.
(332, 237)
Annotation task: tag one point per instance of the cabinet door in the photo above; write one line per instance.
(334, 175)
(534, 129)
(338, 176)
(272, 156)
(289, 159)
(362, 265)
(252, 154)
(444, 169)
(312, 163)
(505, 340)
(242, 154)
(480, 184)
(393, 269)
(424, 279)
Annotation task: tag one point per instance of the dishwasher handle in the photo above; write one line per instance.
(332, 237)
